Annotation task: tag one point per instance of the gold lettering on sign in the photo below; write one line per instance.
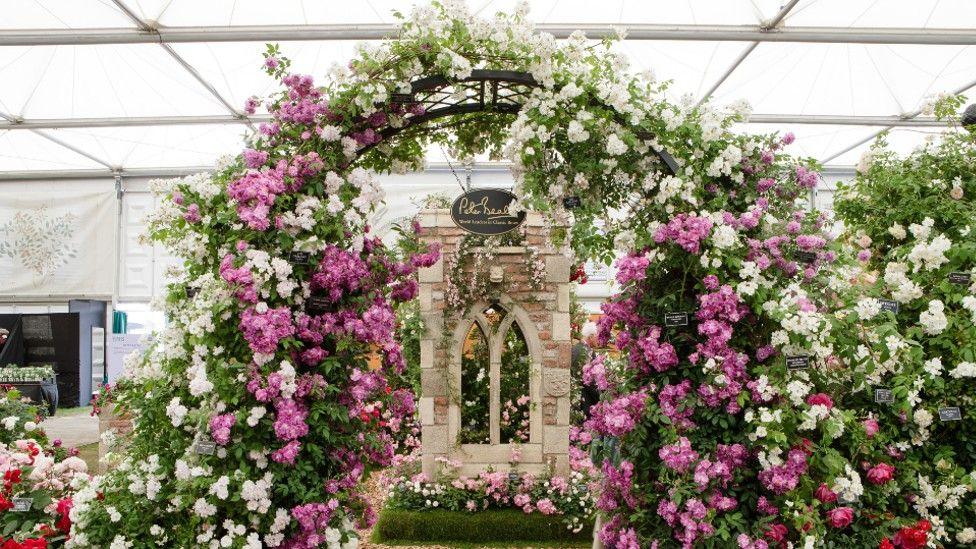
(470, 207)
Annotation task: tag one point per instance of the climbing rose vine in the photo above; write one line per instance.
(256, 415)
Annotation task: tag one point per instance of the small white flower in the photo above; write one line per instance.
(933, 320)
(615, 147)
(897, 231)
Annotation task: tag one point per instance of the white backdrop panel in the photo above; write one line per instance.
(57, 240)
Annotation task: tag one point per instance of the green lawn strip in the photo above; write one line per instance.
(493, 545)
(493, 528)
(89, 453)
(76, 411)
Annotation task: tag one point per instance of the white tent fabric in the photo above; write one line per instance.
(786, 82)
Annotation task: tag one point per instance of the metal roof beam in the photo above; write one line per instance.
(145, 27)
(908, 116)
(56, 175)
(283, 33)
(180, 171)
(13, 120)
(846, 120)
(126, 121)
(768, 26)
(129, 121)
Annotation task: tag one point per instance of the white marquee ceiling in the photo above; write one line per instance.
(132, 104)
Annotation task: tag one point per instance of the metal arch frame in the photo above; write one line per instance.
(494, 91)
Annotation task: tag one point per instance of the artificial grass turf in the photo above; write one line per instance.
(494, 526)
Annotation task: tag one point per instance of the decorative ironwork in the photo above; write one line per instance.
(498, 91)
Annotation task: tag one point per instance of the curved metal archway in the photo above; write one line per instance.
(485, 90)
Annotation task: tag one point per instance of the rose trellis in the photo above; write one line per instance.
(256, 415)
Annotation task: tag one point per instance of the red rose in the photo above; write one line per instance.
(64, 509)
(821, 399)
(881, 473)
(886, 544)
(825, 494)
(914, 537)
(871, 427)
(777, 532)
(11, 477)
(840, 517)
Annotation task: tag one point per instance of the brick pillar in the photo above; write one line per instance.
(543, 316)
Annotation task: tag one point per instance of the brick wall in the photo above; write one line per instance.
(543, 317)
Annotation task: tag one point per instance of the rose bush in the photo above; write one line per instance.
(922, 267)
(570, 497)
(44, 480)
(20, 417)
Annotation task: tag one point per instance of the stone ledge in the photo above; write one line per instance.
(495, 453)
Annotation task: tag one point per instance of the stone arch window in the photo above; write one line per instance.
(497, 369)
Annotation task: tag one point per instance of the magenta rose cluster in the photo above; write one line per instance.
(715, 433)
(281, 343)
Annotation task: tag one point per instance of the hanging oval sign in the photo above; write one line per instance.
(486, 212)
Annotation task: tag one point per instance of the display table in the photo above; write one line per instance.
(40, 392)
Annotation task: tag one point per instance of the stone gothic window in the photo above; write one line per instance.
(475, 386)
(495, 398)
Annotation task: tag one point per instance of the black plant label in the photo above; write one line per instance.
(316, 305)
(797, 362)
(205, 447)
(889, 305)
(950, 413)
(804, 257)
(572, 202)
(884, 396)
(960, 278)
(675, 319)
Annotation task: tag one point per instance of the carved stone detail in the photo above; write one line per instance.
(557, 382)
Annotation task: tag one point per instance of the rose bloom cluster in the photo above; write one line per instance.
(920, 262)
(731, 376)
(256, 412)
(570, 497)
(46, 478)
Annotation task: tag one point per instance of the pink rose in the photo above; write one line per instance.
(840, 517)
(825, 494)
(881, 473)
(956, 193)
(821, 399)
(871, 427)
